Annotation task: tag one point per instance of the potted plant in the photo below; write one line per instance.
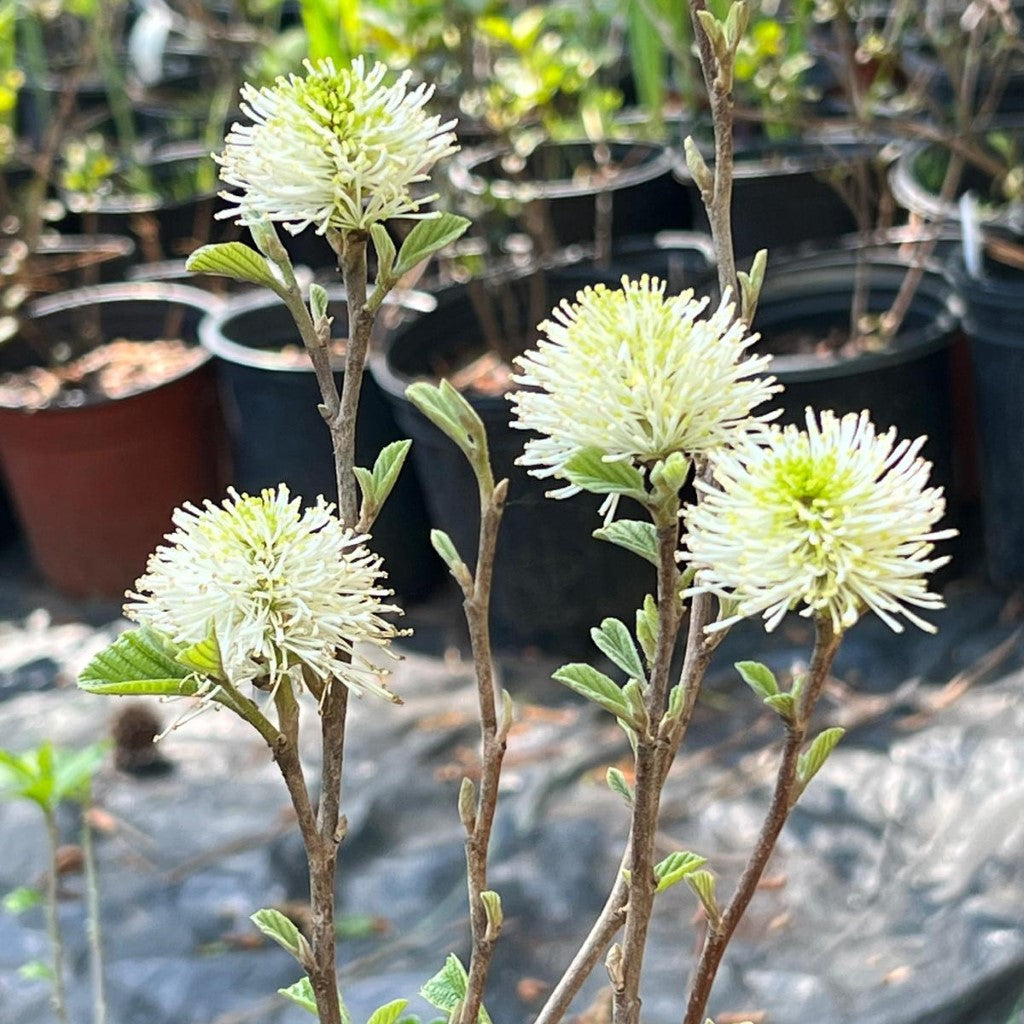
(108, 419)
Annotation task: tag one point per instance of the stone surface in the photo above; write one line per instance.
(897, 892)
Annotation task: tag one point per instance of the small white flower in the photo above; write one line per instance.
(835, 520)
(336, 149)
(638, 376)
(281, 588)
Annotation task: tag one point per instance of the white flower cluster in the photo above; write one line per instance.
(282, 589)
(835, 520)
(335, 149)
(637, 375)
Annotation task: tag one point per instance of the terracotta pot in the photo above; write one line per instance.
(94, 486)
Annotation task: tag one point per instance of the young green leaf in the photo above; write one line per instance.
(617, 784)
(495, 915)
(447, 989)
(595, 686)
(235, 260)
(810, 761)
(639, 537)
(448, 416)
(588, 470)
(612, 639)
(376, 485)
(389, 1013)
(647, 628)
(203, 657)
(675, 867)
(317, 302)
(385, 249)
(782, 704)
(36, 970)
(638, 716)
(17, 901)
(140, 662)
(301, 993)
(758, 677)
(281, 929)
(74, 770)
(703, 883)
(428, 237)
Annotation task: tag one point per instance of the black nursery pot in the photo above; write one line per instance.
(643, 194)
(552, 580)
(276, 435)
(781, 195)
(994, 326)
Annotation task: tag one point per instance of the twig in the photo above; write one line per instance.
(60, 1007)
(93, 926)
(784, 796)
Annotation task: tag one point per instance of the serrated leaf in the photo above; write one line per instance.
(235, 260)
(587, 469)
(140, 662)
(758, 677)
(428, 237)
(617, 784)
(612, 639)
(595, 686)
(810, 761)
(281, 929)
(389, 1013)
(675, 867)
(447, 989)
(782, 704)
(17, 901)
(301, 993)
(385, 249)
(638, 537)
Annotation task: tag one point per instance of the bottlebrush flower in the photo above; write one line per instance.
(336, 149)
(637, 376)
(282, 589)
(835, 520)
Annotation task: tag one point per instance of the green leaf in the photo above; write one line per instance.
(588, 470)
(810, 761)
(203, 657)
(281, 929)
(613, 640)
(389, 1013)
(235, 260)
(675, 867)
(385, 249)
(317, 302)
(17, 901)
(617, 784)
(703, 883)
(301, 993)
(595, 686)
(647, 628)
(639, 537)
(446, 989)
(638, 716)
(427, 238)
(758, 677)
(445, 547)
(782, 704)
(36, 970)
(139, 662)
(387, 468)
(451, 414)
(73, 771)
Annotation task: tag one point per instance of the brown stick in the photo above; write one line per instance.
(783, 797)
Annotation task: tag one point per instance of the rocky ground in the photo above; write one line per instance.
(896, 895)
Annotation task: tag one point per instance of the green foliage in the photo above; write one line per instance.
(389, 1013)
(758, 677)
(17, 901)
(203, 657)
(634, 535)
(453, 416)
(588, 470)
(235, 260)
(301, 993)
(617, 784)
(140, 662)
(46, 775)
(377, 485)
(427, 238)
(283, 931)
(811, 760)
(675, 867)
(595, 686)
(647, 628)
(447, 989)
(613, 640)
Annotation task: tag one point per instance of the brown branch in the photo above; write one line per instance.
(783, 797)
(492, 740)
